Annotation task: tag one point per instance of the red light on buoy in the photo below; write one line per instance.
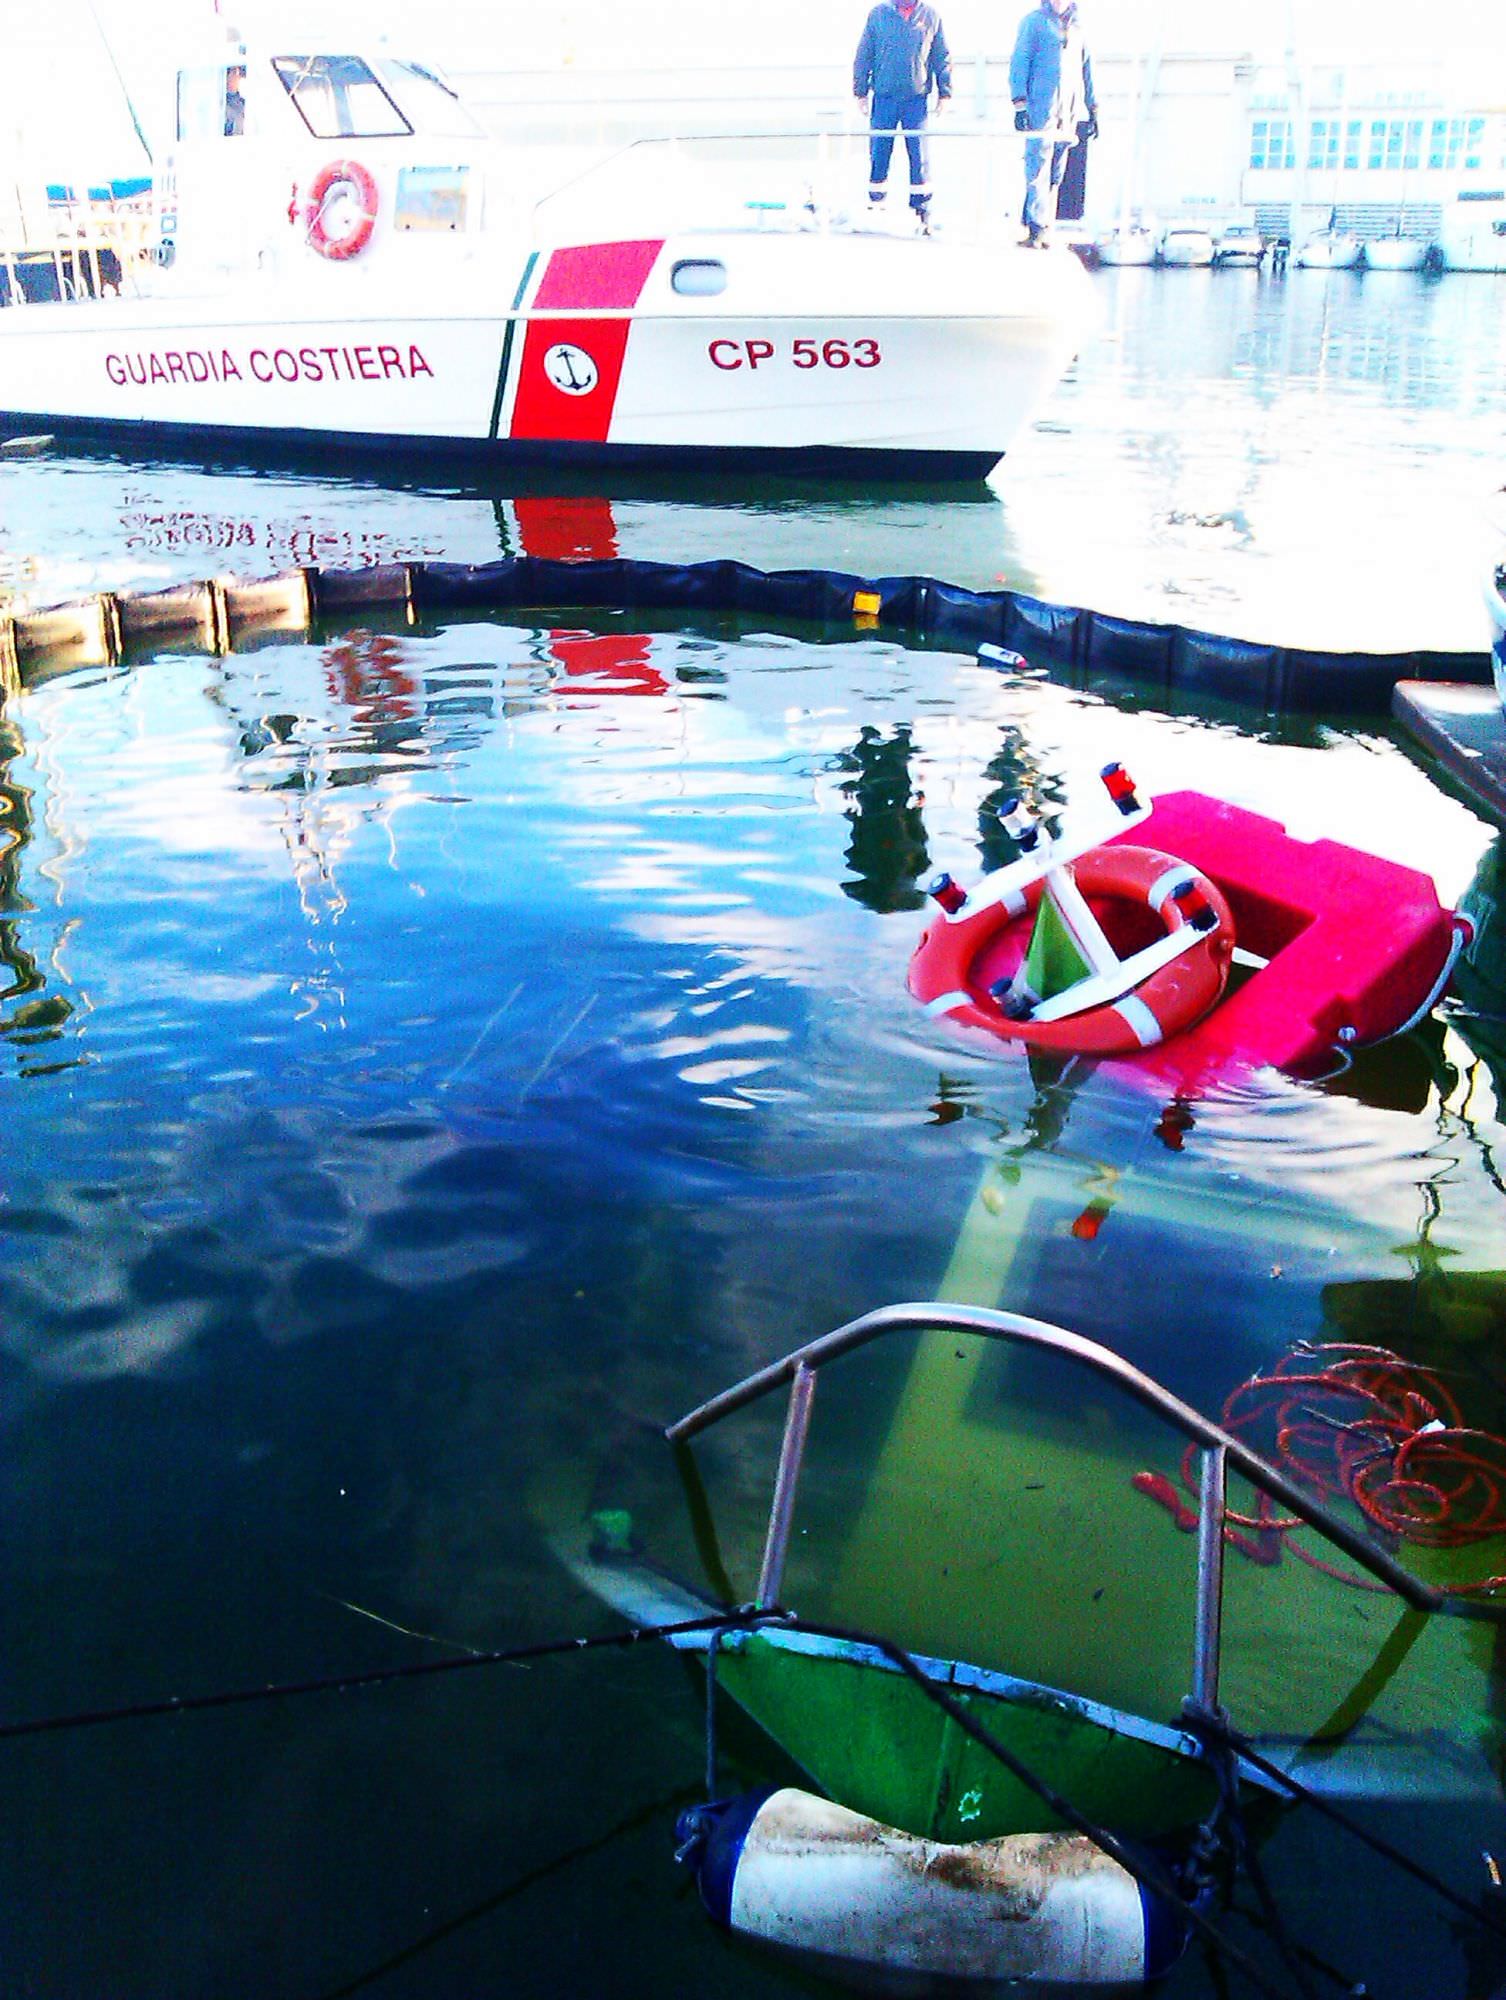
(1193, 905)
(947, 893)
(1120, 787)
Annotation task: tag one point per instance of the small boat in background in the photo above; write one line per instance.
(1395, 253)
(1240, 246)
(1127, 243)
(1330, 250)
(1472, 236)
(1185, 246)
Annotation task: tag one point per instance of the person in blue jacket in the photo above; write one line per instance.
(902, 54)
(1051, 84)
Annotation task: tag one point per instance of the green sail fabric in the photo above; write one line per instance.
(1055, 960)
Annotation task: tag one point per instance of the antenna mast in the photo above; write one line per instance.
(125, 92)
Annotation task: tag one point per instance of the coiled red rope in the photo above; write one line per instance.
(1363, 1425)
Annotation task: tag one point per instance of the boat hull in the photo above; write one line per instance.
(870, 1737)
(1395, 253)
(273, 444)
(1473, 236)
(876, 357)
(1130, 252)
(1324, 253)
(1186, 256)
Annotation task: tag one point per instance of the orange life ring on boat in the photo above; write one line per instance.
(960, 958)
(337, 246)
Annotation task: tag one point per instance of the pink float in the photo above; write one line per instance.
(1349, 949)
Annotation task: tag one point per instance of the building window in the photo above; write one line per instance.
(1354, 133)
(1273, 143)
(1412, 157)
(1323, 144)
(1476, 144)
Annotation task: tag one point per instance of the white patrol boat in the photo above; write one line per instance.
(335, 257)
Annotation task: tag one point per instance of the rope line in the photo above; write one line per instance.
(377, 1677)
(716, 1625)
(1226, 1834)
(1359, 1424)
(1209, 1728)
(1217, 1728)
(519, 1886)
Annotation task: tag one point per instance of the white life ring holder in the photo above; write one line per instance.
(948, 971)
(349, 242)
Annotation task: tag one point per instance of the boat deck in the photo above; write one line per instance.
(1464, 729)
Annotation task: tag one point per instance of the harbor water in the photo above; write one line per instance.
(437, 1058)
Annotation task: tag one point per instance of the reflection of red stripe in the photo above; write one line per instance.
(618, 662)
(565, 527)
(597, 277)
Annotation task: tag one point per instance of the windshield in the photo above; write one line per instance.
(429, 101)
(339, 97)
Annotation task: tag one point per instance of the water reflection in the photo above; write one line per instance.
(887, 852)
(500, 1040)
(1480, 981)
(1297, 461)
(32, 1019)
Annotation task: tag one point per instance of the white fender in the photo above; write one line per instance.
(1039, 1908)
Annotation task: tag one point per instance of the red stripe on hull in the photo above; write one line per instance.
(597, 276)
(572, 369)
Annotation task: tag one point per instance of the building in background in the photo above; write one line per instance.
(1378, 148)
(1282, 112)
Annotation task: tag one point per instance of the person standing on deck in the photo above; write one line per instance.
(1051, 84)
(902, 53)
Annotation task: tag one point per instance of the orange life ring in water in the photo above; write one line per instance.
(960, 958)
(338, 244)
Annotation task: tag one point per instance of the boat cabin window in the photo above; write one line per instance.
(339, 97)
(699, 278)
(212, 102)
(429, 102)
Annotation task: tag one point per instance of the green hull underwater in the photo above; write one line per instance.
(867, 1735)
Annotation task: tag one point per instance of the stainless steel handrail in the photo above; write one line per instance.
(831, 142)
(1220, 1448)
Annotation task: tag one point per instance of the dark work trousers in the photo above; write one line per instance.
(890, 113)
(1045, 163)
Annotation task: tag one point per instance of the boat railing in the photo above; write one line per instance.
(1219, 1448)
(59, 242)
(814, 178)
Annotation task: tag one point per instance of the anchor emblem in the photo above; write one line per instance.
(571, 370)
